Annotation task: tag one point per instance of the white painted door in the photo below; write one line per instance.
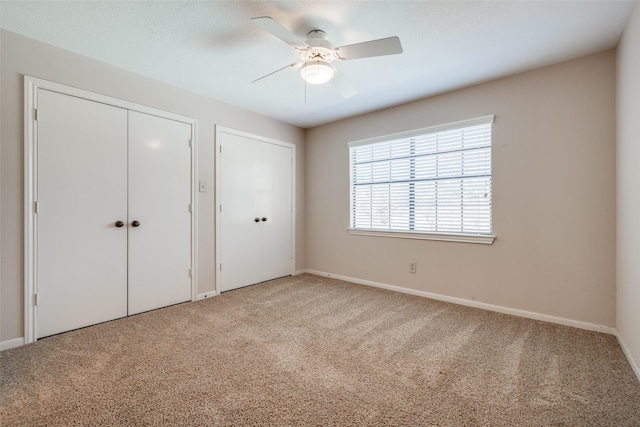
(240, 217)
(113, 212)
(81, 194)
(256, 218)
(159, 212)
(274, 194)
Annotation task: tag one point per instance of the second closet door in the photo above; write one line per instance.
(159, 212)
(257, 216)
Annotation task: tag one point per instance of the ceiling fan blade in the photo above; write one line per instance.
(272, 26)
(343, 84)
(388, 46)
(295, 64)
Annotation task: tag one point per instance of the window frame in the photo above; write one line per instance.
(408, 234)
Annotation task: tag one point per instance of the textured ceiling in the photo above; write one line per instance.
(212, 48)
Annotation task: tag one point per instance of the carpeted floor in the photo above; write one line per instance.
(308, 350)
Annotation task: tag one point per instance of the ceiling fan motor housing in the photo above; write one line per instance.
(319, 48)
(318, 38)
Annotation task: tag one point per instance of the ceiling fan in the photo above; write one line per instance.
(317, 55)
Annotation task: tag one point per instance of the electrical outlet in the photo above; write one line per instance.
(412, 267)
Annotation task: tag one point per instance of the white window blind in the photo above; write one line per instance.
(436, 180)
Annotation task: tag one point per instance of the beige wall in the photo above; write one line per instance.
(628, 245)
(553, 196)
(20, 56)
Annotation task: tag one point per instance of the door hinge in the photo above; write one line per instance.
(220, 208)
(35, 299)
(190, 273)
(221, 148)
(35, 114)
(190, 207)
(191, 143)
(221, 267)
(35, 207)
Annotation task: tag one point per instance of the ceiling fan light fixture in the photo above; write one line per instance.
(317, 72)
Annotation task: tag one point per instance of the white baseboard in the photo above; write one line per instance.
(476, 304)
(16, 342)
(627, 352)
(206, 295)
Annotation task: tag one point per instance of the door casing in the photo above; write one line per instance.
(219, 131)
(31, 87)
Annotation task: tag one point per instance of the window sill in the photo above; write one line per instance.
(452, 237)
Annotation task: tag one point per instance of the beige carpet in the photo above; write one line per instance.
(314, 351)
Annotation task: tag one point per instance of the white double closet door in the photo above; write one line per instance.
(256, 216)
(113, 212)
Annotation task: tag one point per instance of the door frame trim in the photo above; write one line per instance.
(222, 129)
(31, 86)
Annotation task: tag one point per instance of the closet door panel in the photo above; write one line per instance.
(81, 193)
(159, 199)
(241, 170)
(274, 198)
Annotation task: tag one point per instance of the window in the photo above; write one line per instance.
(432, 183)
